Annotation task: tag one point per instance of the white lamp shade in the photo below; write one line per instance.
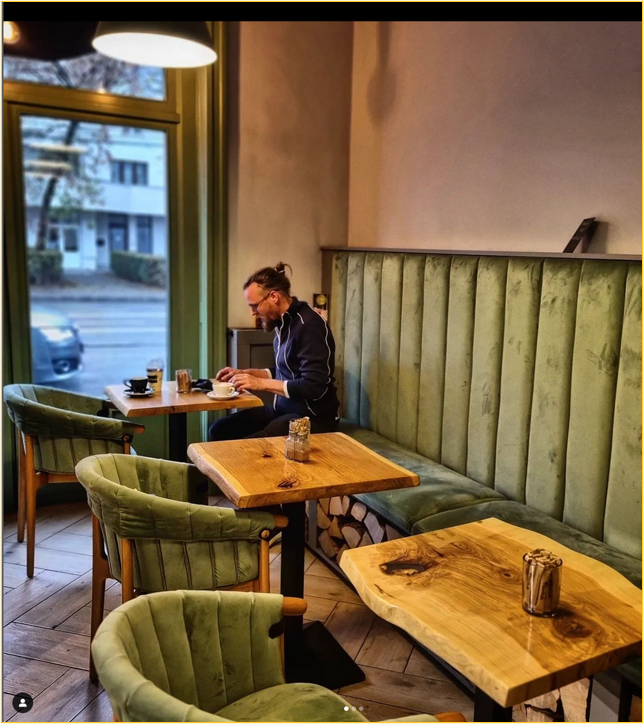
(157, 43)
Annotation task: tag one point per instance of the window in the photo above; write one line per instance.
(85, 219)
(53, 238)
(70, 239)
(92, 72)
(117, 232)
(63, 227)
(132, 173)
(144, 241)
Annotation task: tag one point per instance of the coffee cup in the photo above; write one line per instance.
(223, 389)
(155, 374)
(136, 384)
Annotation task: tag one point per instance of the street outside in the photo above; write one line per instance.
(120, 338)
(122, 326)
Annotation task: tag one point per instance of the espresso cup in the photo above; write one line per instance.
(136, 384)
(223, 389)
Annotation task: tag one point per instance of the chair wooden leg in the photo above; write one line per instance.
(127, 571)
(264, 567)
(22, 487)
(32, 485)
(100, 573)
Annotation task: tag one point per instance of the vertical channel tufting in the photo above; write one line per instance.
(169, 619)
(545, 479)
(458, 362)
(390, 309)
(411, 328)
(337, 317)
(235, 633)
(487, 351)
(622, 521)
(523, 293)
(528, 380)
(207, 667)
(267, 660)
(149, 647)
(592, 394)
(353, 337)
(370, 340)
(432, 366)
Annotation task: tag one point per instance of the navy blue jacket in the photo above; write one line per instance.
(305, 359)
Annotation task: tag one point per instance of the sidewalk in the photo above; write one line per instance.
(97, 286)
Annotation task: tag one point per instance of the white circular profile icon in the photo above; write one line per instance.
(22, 702)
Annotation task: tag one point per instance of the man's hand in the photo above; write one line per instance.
(243, 381)
(226, 374)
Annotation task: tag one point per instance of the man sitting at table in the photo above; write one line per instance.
(302, 379)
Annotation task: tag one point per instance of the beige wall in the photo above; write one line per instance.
(496, 135)
(290, 96)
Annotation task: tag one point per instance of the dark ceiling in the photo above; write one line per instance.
(52, 40)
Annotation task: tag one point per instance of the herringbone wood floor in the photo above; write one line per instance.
(46, 632)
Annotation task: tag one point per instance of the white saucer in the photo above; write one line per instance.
(213, 396)
(147, 393)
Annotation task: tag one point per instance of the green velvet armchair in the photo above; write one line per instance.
(153, 531)
(194, 656)
(55, 430)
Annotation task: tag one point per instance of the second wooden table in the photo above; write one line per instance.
(254, 472)
(458, 592)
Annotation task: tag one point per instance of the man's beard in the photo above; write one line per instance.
(269, 324)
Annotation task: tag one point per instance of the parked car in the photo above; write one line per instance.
(56, 347)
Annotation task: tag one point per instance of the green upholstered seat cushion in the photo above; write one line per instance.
(440, 488)
(291, 702)
(526, 517)
(299, 702)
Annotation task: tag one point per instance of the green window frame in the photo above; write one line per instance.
(193, 118)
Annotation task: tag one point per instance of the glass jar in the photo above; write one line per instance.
(298, 442)
(184, 380)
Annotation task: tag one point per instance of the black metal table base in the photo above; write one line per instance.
(321, 660)
(486, 709)
(313, 656)
(178, 434)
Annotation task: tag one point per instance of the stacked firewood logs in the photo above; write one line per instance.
(343, 523)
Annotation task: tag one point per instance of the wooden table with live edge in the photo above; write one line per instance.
(254, 472)
(458, 591)
(176, 406)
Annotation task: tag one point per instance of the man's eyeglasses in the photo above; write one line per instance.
(255, 307)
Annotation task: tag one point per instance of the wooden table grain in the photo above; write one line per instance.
(176, 406)
(254, 472)
(458, 592)
(170, 402)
